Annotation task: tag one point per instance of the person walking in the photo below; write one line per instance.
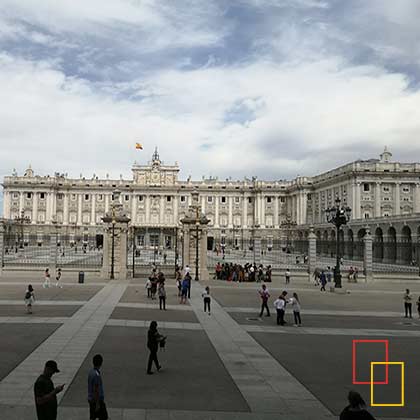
(407, 303)
(294, 301)
(57, 279)
(47, 277)
(46, 393)
(154, 339)
(148, 287)
(29, 298)
(206, 299)
(323, 280)
(280, 305)
(356, 410)
(188, 278)
(184, 290)
(287, 276)
(264, 294)
(162, 296)
(96, 396)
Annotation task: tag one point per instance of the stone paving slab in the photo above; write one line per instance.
(32, 320)
(193, 377)
(18, 341)
(322, 362)
(320, 321)
(38, 310)
(154, 314)
(68, 345)
(146, 324)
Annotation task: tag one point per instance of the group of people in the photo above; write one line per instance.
(280, 305)
(155, 284)
(243, 273)
(47, 278)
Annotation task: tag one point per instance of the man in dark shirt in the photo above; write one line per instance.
(96, 397)
(46, 394)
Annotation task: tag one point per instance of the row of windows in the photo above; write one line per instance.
(385, 188)
(100, 197)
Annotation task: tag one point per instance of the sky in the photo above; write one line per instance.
(234, 88)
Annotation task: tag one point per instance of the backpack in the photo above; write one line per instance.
(27, 295)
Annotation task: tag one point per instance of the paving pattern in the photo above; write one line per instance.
(230, 365)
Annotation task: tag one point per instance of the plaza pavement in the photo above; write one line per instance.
(230, 365)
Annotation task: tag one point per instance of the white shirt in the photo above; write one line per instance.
(280, 304)
(205, 294)
(295, 304)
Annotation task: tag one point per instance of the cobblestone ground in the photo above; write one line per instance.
(229, 365)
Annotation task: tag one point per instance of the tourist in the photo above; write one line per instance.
(29, 298)
(96, 396)
(46, 393)
(162, 296)
(153, 286)
(294, 301)
(268, 274)
(323, 280)
(148, 287)
(57, 278)
(186, 270)
(206, 299)
(418, 306)
(154, 339)
(287, 276)
(329, 274)
(188, 278)
(280, 305)
(184, 289)
(407, 303)
(264, 294)
(356, 410)
(47, 278)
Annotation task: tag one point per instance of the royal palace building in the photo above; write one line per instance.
(155, 199)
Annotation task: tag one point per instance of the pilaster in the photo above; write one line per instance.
(368, 256)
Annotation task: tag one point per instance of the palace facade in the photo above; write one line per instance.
(155, 199)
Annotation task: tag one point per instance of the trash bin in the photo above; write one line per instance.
(81, 277)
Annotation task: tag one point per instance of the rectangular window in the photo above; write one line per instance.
(168, 198)
(28, 195)
(406, 189)
(223, 199)
(100, 197)
(367, 215)
(282, 199)
(209, 199)
(140, 198)
(309, 196)
(42, 196)
(182, 198)
(73, 197)
(86, 197)
(386, 189)
(366, 187)
(237, 199)
(15, 195)
(249, 199)
(127, 197)
(268, 199)
(60, 196)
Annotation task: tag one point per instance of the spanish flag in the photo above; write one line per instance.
(139, 146)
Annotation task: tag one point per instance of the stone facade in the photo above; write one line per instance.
(156, 199)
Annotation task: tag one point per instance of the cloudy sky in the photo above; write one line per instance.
(272, 88)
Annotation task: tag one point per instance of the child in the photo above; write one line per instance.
(294, 301)
(206, 298)
(29, 299)
(47, 278)
(58, 277)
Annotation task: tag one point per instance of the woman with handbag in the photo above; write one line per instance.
(154, 340)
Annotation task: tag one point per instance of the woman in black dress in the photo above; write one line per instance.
(154, 340)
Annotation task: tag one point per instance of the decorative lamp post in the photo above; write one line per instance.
(338, 216)
(197, 225)
(22, 220)
(113, 222)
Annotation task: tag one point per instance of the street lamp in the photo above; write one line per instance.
(22, 220)
(197, 225)
(113, 222)
(338, 216)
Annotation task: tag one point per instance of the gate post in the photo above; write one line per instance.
(311, 252)
(367, 260)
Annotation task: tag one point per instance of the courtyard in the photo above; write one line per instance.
(230, 365)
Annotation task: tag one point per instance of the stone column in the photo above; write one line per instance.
(6, 205)
(147, 209)
(162, 210)
(357, 201)
(186, 246)
(276, 211)
(262, 211)
(93, 210)
(216, 212)
(176, 217)
(257, 245)
(133, 209)
(245, 212)
(311, 252)
(66, 209)
(230, 214)
(378, 200)
(417, 198)
(1, 247)
(53, 251)
(79, 209)
(35, 208)
(203, 204)
(304, 202)
(106, 254)
(106, 203)
(368, 256)
(204, 274)
(21, 202)
(397, 204)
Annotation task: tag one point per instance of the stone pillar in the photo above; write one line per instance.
(356, 209)
(216, 212)
(416, 198)
(257, 245)
(21, 202)
(311, 252)
(79, 209)
(106, 260)
(186, 246)
(93, 210)
(53, 252)
(378, 200)
(397, 203)
(66, 209)
(368, 256)
(1, 247)
(6, 205)
(245, 212)
(230, 214)
(147, 209)
(133, 209)
(276, 211)
(204, 274)
(35, 208)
